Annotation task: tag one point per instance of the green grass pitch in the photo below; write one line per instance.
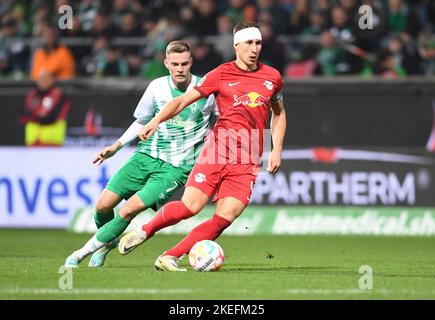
(257, 267)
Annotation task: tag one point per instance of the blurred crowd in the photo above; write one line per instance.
(301, 38)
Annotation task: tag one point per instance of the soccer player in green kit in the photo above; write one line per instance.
(160, 166)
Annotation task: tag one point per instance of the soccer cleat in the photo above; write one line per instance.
(168, 263)
(131, 240)
(99, 257)
(72, 262)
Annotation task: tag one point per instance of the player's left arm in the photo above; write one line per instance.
(278, 127)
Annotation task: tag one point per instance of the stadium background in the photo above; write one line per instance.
(360, 105)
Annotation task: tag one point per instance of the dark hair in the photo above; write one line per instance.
(177, 46)
(245, 24)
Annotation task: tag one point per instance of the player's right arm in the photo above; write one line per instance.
(106, 153)
(169, 111)
(129, 135)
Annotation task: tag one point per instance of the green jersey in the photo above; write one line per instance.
(179, 140)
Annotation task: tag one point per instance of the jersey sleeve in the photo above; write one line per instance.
(209, 84)
(277, 96)
(211, 103)
(145, 109)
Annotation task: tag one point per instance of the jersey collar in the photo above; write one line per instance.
(174, 87)
(259, 66)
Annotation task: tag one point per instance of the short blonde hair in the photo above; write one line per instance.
(178, 47)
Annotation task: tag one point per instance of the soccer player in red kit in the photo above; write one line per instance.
(245, 91)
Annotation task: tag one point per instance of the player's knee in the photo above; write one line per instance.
(127, 213)
(229, 215)
(194, 206)
(102, 207)
(194, 200)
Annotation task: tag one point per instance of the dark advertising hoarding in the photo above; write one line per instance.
(319, 113)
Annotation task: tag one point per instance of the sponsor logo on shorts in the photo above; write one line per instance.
(199, 177)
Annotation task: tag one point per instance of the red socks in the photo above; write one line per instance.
(176, 211)
(208, 230)
(169, 215)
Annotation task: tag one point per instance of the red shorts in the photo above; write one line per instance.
(227, 180)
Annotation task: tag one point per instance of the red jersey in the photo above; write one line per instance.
(243, 100)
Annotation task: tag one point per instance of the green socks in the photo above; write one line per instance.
(102, 218)
(109, 225)
(112, 229)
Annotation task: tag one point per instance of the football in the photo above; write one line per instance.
(206, 255)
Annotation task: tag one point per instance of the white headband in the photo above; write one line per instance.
(247, 34)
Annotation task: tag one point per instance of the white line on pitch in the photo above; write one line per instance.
(37, 291)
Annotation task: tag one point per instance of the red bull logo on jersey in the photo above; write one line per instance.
(251, 99)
